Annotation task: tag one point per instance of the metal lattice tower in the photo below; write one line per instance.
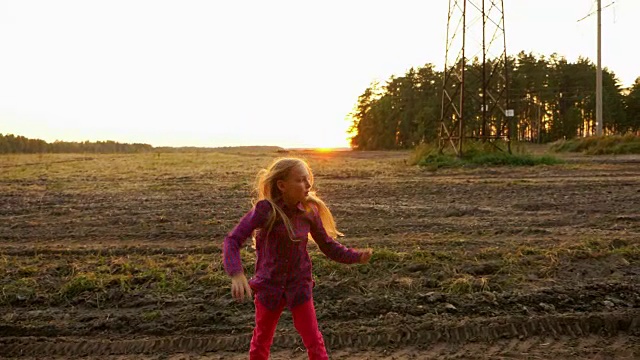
(475, 101)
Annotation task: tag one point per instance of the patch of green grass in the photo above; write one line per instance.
(505, 159)
(466, 284)
(148, 316)
(439, 161)
(444, 255)
(322, 265)
(20, 290)
(420, 152)
(124, 282)
(215, 279)
(478, 154)
(631, 252)
(27, 271)
(79, 284)
(155, 276)
(385, 255)
(600, 145)
(594, 248)
(420, 257)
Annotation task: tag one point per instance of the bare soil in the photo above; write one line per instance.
(118, 257)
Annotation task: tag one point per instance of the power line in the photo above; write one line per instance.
(596, 11)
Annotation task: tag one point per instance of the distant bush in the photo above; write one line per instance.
(478, 154)
(600, 145)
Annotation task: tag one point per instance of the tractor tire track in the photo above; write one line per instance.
(503, 336)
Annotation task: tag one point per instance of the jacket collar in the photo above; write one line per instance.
(280, 202)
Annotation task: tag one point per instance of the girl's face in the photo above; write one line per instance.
(295, 187)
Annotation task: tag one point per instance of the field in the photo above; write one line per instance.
(118, 257)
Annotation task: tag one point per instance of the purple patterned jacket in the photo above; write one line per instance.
(283, 267)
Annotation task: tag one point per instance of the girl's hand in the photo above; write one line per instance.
(240, 286)
(365, 255)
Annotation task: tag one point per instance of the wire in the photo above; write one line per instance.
(592, 5)
(593, 12)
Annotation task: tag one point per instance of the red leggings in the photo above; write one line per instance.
(304, 319)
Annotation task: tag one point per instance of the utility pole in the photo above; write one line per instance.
(599, 120)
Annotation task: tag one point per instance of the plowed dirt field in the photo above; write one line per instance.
(118, 257)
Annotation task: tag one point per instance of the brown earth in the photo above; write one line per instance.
(118, 256)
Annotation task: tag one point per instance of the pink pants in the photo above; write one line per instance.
(304, 319)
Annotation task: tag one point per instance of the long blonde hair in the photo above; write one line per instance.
(267, 189)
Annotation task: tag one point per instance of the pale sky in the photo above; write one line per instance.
(248, 72)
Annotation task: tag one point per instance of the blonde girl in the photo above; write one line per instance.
(285, 213)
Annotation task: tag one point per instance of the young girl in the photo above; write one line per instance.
(285, 213)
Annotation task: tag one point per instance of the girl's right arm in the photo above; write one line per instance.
(234, 241)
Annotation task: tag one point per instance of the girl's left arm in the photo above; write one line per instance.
(333, 249)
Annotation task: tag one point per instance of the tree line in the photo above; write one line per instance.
(552, 99)
(12, 144)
